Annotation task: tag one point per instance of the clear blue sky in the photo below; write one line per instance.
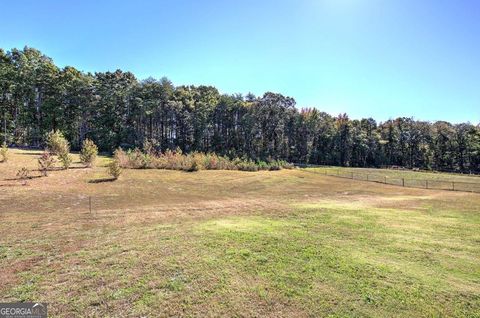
(368, 58)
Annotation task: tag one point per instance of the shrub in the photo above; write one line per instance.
(246, 165)
(211, 162)
(121, 156)
(274, 167)
(286, 165)
(147, 160)
(262, 165)
(137, 159)
(57, 144)
(46, 162)
(89, 152)
(149, 146)
(4, 152)
(23, 173)
(114, 169)
(66, 160)
(192, 167)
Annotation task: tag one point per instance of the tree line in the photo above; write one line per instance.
(115, 109)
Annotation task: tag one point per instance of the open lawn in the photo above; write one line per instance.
(408, 178)
(403, 173)
(287, 243)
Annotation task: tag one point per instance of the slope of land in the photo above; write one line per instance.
(284, 243)
(407, 178)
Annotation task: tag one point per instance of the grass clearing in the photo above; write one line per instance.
(228, 243)
(407, 178)
(398, 174)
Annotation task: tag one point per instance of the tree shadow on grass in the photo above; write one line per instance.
(13, 185)
(59, 169)
(102, 180)
(19, 179)
(70, 168)
(30, 154)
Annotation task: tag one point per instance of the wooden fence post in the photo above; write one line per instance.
(426, 184)
(453, 185)
(90, 204)
(352, 174)
(385, 179)
(403, 182)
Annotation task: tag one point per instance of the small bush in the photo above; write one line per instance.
(4, 152)
(122, 157)
(23, 174)
(114, 169)
(150, 146)
(262, 165)
(246, 165)
(66, 160)
(134, 159)
(193, 167)
(89, 152)
(57, 144)
(288, 166)
(274, 167)
(46, 162)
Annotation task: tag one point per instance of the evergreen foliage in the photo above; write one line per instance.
(56, 143)
(65, 159)
(46, 162)
(114, 109)
(89, 152)
(114, 169)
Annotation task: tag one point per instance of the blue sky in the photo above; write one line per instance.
(368, 58)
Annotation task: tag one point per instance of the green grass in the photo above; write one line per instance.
(408, 178)
(346, 261)
(398, 174)
(228, 243)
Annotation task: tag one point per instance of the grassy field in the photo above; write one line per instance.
(408, 174)
(287, 243)
(409, 178)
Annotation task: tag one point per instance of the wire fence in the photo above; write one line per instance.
(434, 184)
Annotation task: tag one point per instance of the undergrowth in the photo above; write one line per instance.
(177, 160)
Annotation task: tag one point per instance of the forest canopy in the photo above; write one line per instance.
(115, 109)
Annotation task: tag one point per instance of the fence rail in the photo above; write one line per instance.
(449, 185)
